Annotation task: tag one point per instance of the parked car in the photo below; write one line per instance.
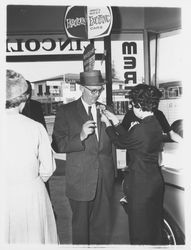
(174, 202)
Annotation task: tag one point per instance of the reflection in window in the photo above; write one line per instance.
(55, 91)
(162, 90)
(40, 90)
(152, 37)
(170, 90)
(72, 87)
(47, 90)
(173, 92)
(180, 90)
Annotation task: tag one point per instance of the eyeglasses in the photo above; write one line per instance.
(95, 91)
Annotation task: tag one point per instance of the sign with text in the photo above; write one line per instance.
(89, 57)
(47, 45)
(86, 22)
(100, 22)
(128, 59)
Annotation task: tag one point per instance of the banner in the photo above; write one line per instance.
(86, 22)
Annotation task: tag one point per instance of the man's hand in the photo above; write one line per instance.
(88, 128)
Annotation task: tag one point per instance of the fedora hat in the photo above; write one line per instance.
(91, 78)
(16, 85)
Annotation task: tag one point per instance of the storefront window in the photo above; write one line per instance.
(169, 57)
(40, 90)
(47, 90)
(153, 39)
(72, 87)
(49, 78)
(168, 78)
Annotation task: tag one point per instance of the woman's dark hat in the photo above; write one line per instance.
(91, 78)
(16, 85)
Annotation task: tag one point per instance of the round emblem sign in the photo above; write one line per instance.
(85, 22)
(75, 22)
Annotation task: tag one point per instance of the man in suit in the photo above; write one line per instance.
(90, 169)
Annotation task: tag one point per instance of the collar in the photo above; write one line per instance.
(87, 105)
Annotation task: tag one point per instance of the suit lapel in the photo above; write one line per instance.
(81, 111)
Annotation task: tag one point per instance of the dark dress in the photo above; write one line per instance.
(145, 182)
(33, 110)
(131, 117)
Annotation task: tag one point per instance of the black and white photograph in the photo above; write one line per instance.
(93, 124)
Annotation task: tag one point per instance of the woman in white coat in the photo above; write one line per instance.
(29, 163)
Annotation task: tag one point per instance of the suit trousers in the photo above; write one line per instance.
(91, 220)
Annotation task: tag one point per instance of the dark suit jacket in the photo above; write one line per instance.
(33, 110)
(83, 160)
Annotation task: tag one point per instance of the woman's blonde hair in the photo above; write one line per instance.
(16, 89)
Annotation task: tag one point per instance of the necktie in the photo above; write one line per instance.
(90, 113)
(90, 116)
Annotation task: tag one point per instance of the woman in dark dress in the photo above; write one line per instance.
(145, 183)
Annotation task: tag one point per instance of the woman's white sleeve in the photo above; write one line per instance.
(45, 155)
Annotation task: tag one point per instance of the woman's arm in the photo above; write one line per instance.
(120, 137)
(45, 155)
